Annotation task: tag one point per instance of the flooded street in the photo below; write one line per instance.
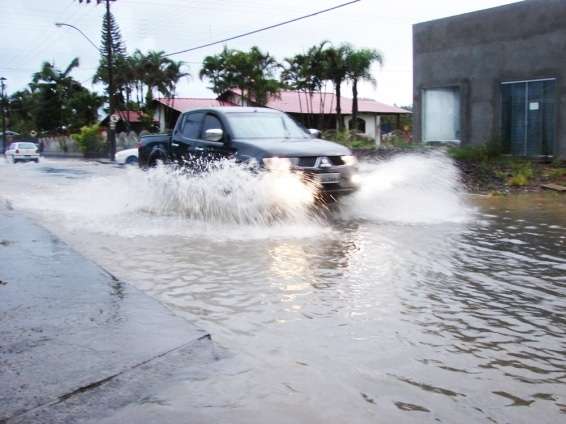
(409, 301)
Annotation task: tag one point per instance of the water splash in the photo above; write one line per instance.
(228, 193)
(225, 201)
(231, 201)
(410, 189)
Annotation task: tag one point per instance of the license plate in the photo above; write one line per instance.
(328, 178)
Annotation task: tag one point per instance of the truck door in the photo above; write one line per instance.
(186, 136)
(212, 150)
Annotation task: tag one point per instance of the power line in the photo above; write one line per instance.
(310, 15)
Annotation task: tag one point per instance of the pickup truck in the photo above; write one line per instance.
(268, 138)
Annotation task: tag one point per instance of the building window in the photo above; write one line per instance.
(361, 125)
(528, 117)
(441, 115)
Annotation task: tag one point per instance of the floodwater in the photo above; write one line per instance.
(409, 302)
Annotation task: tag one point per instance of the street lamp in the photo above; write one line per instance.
(3, 87)
(112, 129)
(62, 24)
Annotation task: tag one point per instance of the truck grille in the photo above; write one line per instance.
(310, 161)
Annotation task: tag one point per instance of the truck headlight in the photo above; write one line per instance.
(356, 179)
(277, 164)
(349, 160)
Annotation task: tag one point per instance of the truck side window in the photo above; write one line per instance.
(210, 122)
(191, 124)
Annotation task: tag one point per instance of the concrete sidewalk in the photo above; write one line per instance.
(76, 344)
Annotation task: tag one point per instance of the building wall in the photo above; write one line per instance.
(373, 125)
(477, 51)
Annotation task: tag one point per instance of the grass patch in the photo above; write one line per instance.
(556, 173)
(514, 171)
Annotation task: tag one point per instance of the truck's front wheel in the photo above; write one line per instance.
(157, 157)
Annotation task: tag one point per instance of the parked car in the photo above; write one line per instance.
(22, 151)
(266, 137)
(127, 157)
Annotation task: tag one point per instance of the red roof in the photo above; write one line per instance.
(182, 104)
(291, 102)
(294, 102)
(130, 115)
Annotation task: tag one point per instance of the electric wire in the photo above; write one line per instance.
(310, 15)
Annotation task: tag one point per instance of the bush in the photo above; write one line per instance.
(350, 139)
(521, 173)
(90, 141)
(477, 153)
(518, 181)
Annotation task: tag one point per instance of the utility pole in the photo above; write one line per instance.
(109, 44)
(4, 138)
(112, 127)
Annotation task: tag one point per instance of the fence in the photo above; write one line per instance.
(67, 146)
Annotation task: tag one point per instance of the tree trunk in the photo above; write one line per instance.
(339, 122)
(321, 114)
(355, 104)
(128, 88)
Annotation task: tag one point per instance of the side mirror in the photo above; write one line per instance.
(314, 133)
(214, 134)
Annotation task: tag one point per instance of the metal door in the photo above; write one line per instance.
(528, 117)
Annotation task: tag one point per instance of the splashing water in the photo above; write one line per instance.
(167, 201)
(409, 189)
(228, 193)
(230, 201)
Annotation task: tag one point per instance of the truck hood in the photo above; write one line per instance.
(295, 147)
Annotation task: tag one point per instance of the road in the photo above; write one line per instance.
(408, 302)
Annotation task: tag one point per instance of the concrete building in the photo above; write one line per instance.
(494, 75)
(318, 111)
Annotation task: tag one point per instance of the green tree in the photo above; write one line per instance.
(358, 63)
(22, 111)
(336, 70)
(305, 74)
(216, 70)
(252, 72)
(61, 101)
(111, 44)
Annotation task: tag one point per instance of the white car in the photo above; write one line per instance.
(23, 151)
(127, 157)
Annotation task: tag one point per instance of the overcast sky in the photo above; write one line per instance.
(30, 37)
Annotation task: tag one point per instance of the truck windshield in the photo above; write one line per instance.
(264, 125)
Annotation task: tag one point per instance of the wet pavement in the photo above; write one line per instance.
(409, 302)
(75, 342)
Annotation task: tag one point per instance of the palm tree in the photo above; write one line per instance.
(49, 74)
(262, 83)
(54, 88)
(253, 73)
(214, 69)
(173, 74)
(336, 70)
(359, 69)
(305, 73)
(153, 67)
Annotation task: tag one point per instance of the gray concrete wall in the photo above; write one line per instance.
(477, 51)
